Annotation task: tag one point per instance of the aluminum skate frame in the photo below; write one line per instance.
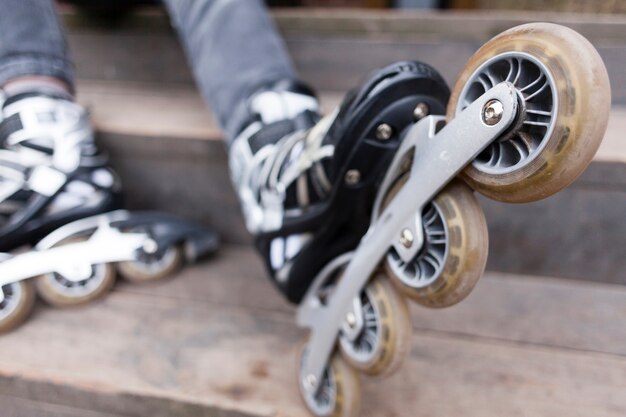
(439, 155)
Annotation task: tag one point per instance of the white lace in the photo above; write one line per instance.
(59, 125)
(263, 178)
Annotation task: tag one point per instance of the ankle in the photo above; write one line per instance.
(282, 102)
(50, 86)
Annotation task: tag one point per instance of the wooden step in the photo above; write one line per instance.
(219, 341)
(169, 152)
(332, 49)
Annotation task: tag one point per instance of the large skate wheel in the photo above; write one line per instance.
(19, 299)
(338, 394)
(564, 92)
(384, 340)
(59, 291)
(152, 267)
(454, 253)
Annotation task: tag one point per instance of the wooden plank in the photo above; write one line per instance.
(151, 111)
(19, 407)
(148, 110)
(446, 24)
(514, 308)
(334, 49)
(156, 351)
(578, 233)
(475, 25)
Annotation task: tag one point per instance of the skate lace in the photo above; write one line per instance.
(276, 167)
(47, 140)
(59, 129)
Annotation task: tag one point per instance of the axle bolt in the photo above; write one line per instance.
(383, 131)
(352, 177)
(406, 238)
(351, 320)
(421, 110)
(150, 246)
(492, 112)
(309, 382)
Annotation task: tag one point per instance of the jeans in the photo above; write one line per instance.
(232, 46)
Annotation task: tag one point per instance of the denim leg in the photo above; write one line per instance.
(32, 41)
(234, 49)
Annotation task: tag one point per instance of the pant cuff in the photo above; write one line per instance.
(16, 66)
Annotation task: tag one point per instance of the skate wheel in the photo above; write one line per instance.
(18, 303)
(58, 291)
(339, 393)
(565, 99)
(151, 267)
(383, 342)
(454, 253)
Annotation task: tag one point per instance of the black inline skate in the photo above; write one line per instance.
(381, 193)
(308, 197)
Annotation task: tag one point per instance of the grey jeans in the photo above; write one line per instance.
(232, 46)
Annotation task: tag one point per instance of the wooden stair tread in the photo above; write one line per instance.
(218, 340)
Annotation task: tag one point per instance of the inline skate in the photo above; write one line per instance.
(394, 215)
(62, 232)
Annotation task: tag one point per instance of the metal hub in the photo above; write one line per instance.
(535, 87)
(426, 267)
(12, 293)
(366, 342)
(78, 288)
(321, 400)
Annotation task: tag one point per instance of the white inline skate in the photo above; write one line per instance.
(61, 231)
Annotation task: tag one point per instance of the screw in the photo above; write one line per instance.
(351, 320)
(150, 246)
(383, 131)
(492, 112)
(406, 238)
(309, 381)
(421, 110)
(352, 177)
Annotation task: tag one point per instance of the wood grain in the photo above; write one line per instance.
(218, 340)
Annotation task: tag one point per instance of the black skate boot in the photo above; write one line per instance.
(50, 170)
(307, 187)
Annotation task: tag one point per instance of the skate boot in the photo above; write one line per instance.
(398, 218)
(307, 186)
(60, 217)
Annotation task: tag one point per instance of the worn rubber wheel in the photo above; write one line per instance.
(18, 303)
(59, 291)
(564, 96)
(339, 393)
(152, 267)
(384, 340)
(453, 256)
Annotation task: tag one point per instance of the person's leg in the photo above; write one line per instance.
(289, 169)
(235, 52)
(33, 48)
(37, 81)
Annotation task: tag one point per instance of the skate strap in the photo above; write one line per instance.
(46, 181)
(9, 126)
